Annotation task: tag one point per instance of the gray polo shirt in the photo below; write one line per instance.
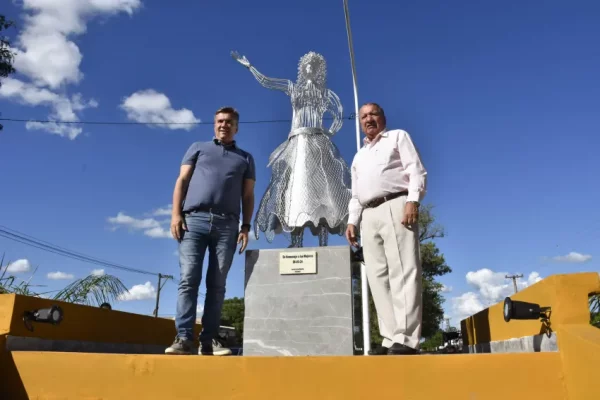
(219, 173)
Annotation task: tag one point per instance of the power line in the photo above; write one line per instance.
(351, 117)
(28, 240)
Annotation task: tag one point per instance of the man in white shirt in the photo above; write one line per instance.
(388, 183)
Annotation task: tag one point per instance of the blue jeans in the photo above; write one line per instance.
(218, 234)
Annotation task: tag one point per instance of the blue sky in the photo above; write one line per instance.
(501, 100)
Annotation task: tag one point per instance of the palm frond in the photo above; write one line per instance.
(8, 284)
(93, 290)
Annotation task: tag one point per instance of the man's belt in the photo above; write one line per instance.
(380, 200)
(212, 211)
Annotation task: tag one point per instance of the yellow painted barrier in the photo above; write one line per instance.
(567, 295)
(7, 302)
(80, 323)
(107, 377)
(579, 347)
(569, 373)
(85, 323)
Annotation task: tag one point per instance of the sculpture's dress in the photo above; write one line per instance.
(310, 182)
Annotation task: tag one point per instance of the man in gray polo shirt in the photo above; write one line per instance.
(214, 177)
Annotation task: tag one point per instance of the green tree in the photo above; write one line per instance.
(433, 342)
(232, 314)
(6, 55)
(433, 265)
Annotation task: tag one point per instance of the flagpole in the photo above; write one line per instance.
(363, 272)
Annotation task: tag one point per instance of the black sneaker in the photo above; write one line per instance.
(181, 347)
(214, 349)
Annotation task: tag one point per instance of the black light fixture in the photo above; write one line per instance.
(106, 306)
(514, 309)
(52, 315)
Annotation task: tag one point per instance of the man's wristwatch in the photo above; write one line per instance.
(246, 226)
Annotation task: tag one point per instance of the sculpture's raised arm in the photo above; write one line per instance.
(270, 83)
(334, 106)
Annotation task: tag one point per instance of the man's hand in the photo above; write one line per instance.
(411, 214)
(178, 226)
(351, 235)
(243, 238)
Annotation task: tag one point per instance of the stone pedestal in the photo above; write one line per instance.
(298, 314)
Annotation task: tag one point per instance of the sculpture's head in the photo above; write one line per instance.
(312, 67)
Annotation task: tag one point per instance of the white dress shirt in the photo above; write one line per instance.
(388, 164)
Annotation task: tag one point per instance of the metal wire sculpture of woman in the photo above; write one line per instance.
(310, 181)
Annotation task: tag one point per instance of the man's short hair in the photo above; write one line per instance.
(229, 110)
(376, 105)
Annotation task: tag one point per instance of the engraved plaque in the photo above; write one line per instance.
(298, 262)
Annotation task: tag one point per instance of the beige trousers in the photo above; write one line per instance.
(393, 264)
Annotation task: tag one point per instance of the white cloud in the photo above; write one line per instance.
(134, 223)
(534, 277)
(48, 57)
(19, 266)
(64, 108)
(151, 106)
(158, 232)
(573, 257)
(466, 304)
(98, 272)
(490, 288)
(159, 212)
(139, 292)
(446, 289)
(46, 52)
(149, 226)
(59, 275)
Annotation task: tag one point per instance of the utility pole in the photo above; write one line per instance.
(514, 279)
(159, 287)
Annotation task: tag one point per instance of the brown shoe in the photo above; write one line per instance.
(379, 351)
(398, 349)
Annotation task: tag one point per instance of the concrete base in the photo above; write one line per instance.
(527, 344)
(303, 314)
(22, 343)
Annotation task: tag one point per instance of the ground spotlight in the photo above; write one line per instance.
(52, 315)
(514, 309)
